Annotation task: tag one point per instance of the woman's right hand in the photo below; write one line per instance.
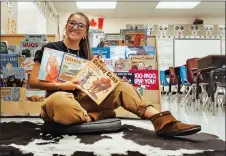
(69, 85)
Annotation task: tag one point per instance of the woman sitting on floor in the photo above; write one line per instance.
(67, 104)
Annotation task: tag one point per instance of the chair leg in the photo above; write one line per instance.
(223, 103)
(186, 96)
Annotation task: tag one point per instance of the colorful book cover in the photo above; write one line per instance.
(117, 52)
(101, 52)
(70, 66)
(122, 65)
(3, 47)
(9, 60)
(126, 77)
(110, 63)
(29, 48)
(2, 83)
(115, 39)
(10, 93)
(96, 80)
(147, 78)
(13, 77)
(139, 50)
(50, 65)
(12, 49)
(142, 62)
(134, 37)
(27, 64)
(96, 38)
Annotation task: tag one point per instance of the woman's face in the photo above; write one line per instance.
(76, 27)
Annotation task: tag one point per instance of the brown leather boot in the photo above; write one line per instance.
(167, 126)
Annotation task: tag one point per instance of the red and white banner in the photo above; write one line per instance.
(147, 78)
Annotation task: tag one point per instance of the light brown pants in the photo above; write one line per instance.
(64, 108)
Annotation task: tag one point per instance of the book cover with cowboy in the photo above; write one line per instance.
(70, 66)
(50, 65)
(96, 80)
(134, 37)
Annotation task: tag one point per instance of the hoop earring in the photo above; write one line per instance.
(84, 38)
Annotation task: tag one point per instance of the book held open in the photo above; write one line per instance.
(96, 80)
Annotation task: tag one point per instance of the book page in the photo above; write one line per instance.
(96, 80)
(70, 66)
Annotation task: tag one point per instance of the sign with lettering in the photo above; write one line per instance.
(147, 78)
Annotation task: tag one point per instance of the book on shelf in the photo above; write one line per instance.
(9, 60)
(29, 48)
(101, 52)
(126, 77)
(115, 39)
(96, 80)
(142, 62)
(134, 37)
(10, 94)
(13, 77)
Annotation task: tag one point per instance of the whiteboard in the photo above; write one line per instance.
(189, 48)
(165, 53)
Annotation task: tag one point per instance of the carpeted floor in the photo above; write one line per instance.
(26, 138)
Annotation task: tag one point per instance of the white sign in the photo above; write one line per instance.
(165, 53)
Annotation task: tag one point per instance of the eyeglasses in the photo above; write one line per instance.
(80, 26)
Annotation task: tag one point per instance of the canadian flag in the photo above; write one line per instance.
(96, 22)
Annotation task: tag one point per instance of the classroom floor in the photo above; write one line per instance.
(210, 124)
(213, 124)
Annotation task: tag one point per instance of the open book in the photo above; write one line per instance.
(59, 66)
(96, 80)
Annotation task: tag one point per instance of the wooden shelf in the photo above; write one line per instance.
(14, 39)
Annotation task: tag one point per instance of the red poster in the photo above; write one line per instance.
(147, 78)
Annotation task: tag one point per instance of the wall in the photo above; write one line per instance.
(35, 23)
(4, 18)
(29, 19)
(113, 25)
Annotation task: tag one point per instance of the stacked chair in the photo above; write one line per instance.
(163, 81)
(217, 82)
(174, 82)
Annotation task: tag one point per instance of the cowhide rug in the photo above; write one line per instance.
(136, 139)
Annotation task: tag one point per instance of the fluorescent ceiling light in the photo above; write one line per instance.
(176, 5)
(96, 5)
